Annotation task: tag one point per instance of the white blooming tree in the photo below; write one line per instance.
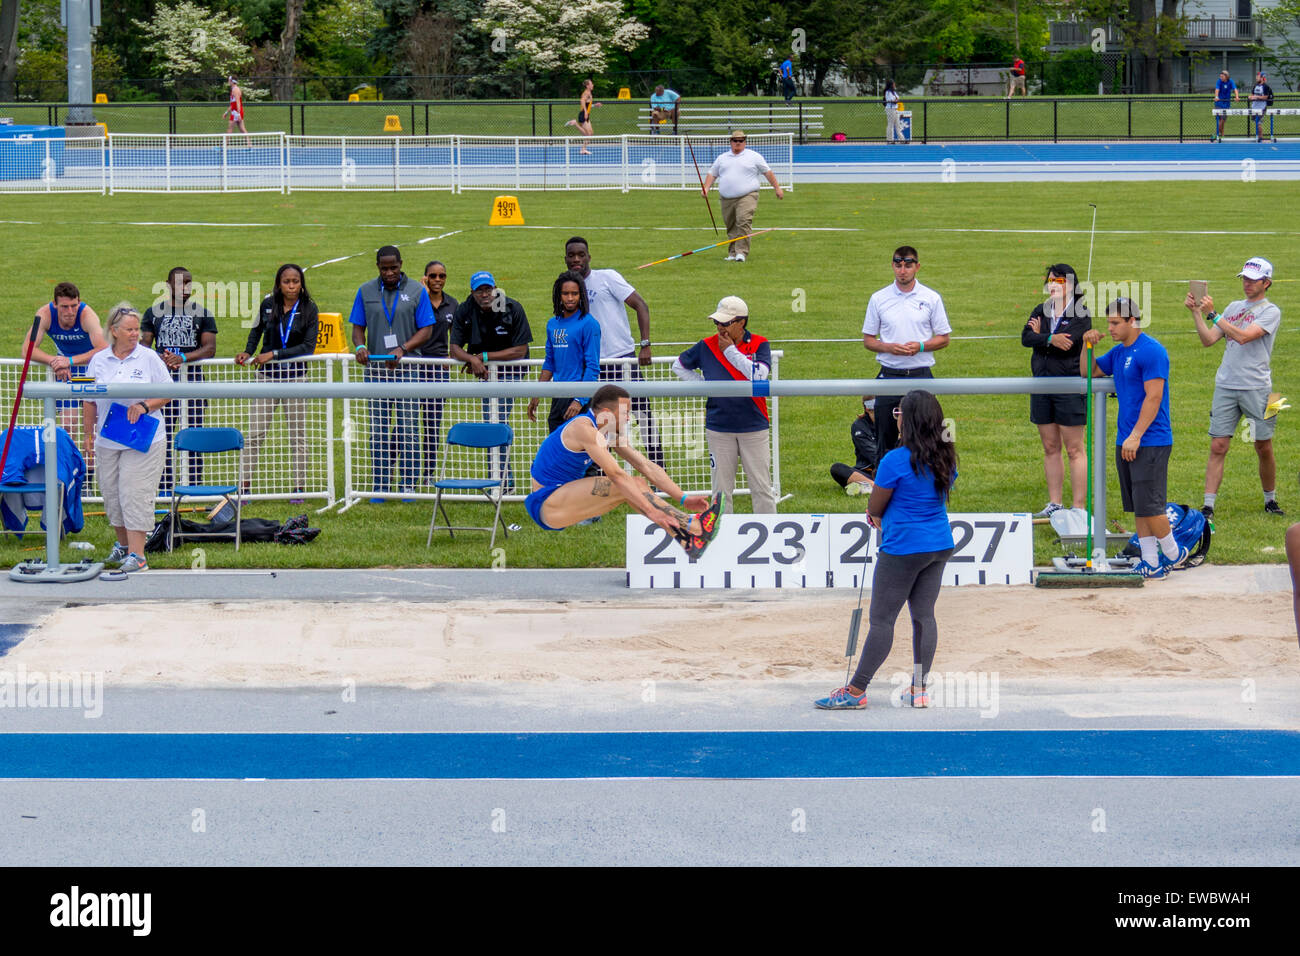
(559, 35)
(187, 40)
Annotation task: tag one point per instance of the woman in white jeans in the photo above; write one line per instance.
(893, 128)
(128, 477)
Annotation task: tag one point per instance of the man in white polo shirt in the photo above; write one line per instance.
(739, 175)
(1249, 327)
(906, 324)
(608, 297)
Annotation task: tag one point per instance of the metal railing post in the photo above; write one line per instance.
(53, 520)
(1099, 471)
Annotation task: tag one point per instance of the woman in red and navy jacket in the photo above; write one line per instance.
(736, 428)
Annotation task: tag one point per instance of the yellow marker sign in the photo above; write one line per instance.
(354, 98)
(101, 97)
(506, 212)
(624, 93)
(330, 333)
(392, 124)
(104, 128)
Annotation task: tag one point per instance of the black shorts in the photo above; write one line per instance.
(1143, 481)
(1057, 410)
(582, 116)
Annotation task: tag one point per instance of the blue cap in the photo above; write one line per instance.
(481, 279)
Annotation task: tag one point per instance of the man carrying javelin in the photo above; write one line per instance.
(563, 496)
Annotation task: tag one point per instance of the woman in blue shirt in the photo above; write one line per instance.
(572, 348)
(909, 507)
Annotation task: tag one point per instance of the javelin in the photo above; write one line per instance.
(724, 242)
(707, 204)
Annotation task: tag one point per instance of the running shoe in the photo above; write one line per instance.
(133, 563)
(117, 555)
(1273, 508)
(740, 257)
(1178, 563)
(1160, 570)
(916, 700)
(710, 521)
(1048, 510)
(858, 488)
(730, 258)
(842, 699)
(1208, 511)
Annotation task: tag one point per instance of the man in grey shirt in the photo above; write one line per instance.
(1244, 380)
(391, 316)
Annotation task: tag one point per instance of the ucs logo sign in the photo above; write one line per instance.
(90, 387)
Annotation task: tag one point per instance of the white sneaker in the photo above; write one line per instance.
(740, 257)
(730, 258)
(854, 488)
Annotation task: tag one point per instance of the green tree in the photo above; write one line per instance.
(1282, 57)
(1152, 29)
(188, 42)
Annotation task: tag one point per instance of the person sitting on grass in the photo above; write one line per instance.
(856, 479)
(563, 496)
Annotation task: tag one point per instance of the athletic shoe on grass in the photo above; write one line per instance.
(858, 488)
(117, 555)
(1273, 508)
(842, 699)
(1048, 510)
(1208, 511)
(134, 562)
(1160, 570)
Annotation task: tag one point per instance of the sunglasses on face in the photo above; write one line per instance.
(436, 275)
(1056, 280)
(735, 140)
(723, 325)
(904, 261)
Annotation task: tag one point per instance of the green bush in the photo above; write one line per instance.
(1073, 73)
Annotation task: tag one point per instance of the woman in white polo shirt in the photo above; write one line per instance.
(128, 478)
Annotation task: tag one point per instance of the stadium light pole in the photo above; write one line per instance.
(78, 17)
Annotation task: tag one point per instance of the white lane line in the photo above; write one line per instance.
(456, 232)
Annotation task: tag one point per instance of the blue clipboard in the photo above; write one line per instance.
(138, 436)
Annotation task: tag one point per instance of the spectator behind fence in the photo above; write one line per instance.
(391, 316)
(1055, 333)
(1224, 89)
(444, 307)
(665, 105)
(286, 329)
(181, 330)
(734, 427)
(490, 326)
(609, 296)
(572, 348)
(128, 478)
(893, 122)
(74, 328)
(1017, 78)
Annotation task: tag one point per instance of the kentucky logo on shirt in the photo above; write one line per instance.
(561, 338)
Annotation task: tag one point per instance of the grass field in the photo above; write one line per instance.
(984, 247)
(937, 118)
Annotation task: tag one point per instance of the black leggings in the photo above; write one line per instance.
(910, 578)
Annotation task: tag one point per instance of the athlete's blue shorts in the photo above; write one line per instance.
(533, 505)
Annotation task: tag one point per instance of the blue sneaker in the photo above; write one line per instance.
(1160, 570)
(1178, 563)
(842, 699)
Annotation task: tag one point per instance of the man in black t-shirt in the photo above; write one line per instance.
(181, 331)
(490, 327)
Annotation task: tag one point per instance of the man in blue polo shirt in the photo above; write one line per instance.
(1143, 436)
(787, 79)
(736, 428)
(1223, 89)
(392, 317)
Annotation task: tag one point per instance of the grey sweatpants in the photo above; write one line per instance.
(910, 578)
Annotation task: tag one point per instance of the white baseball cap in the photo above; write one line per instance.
(730, 307)
(1256, 269)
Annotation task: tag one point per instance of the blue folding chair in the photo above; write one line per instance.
(486, 436)
(208, 441)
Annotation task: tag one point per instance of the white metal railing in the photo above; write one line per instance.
(279, 162)
(295, 438)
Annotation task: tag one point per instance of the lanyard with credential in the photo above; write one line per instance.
(286, 330)
(389, 313)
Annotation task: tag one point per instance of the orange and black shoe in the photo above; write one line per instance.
(710, 521)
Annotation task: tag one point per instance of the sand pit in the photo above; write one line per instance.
(1019, 632)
